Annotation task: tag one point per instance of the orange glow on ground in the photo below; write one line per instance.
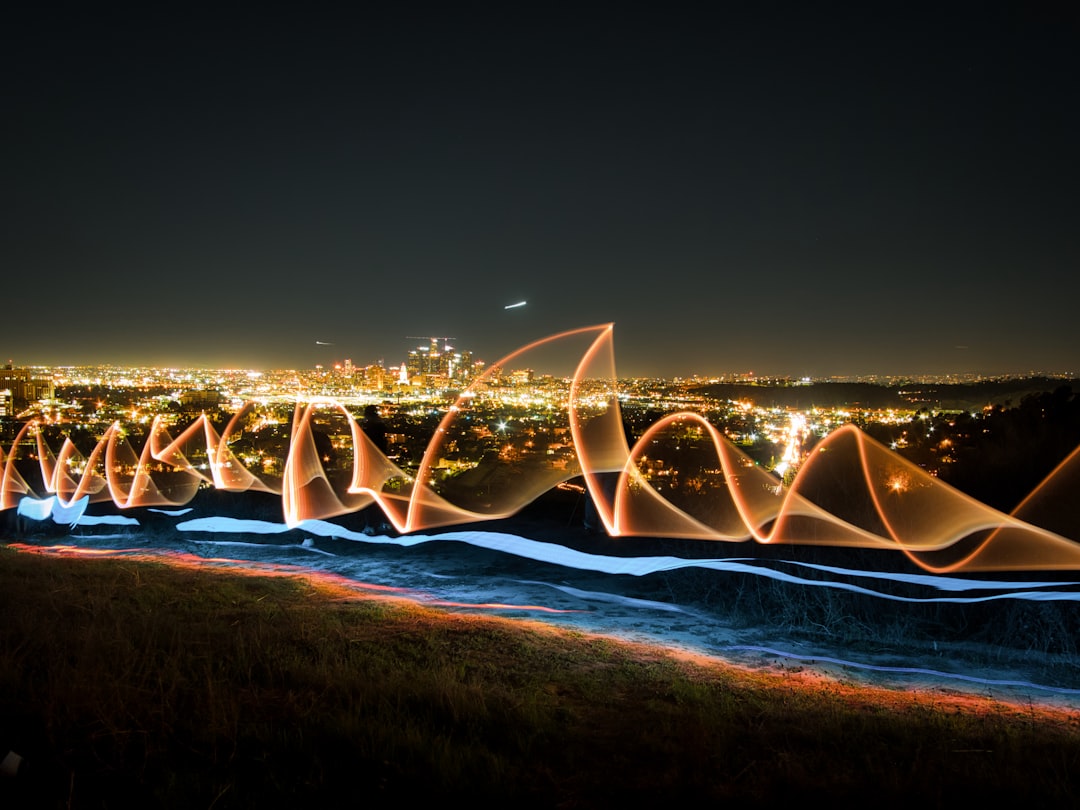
(344, 586)
(789, 676)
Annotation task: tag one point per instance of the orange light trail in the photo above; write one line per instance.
(886, 502)
(499, 606)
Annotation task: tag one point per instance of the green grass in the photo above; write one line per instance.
(129, 683)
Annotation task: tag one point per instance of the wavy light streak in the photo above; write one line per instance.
(851, 491)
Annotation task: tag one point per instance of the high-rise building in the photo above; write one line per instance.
(375, 376)
(26, 386)
(433, 362)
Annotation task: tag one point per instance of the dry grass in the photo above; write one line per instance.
(130, 683)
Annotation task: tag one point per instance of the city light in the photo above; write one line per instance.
(488, 448)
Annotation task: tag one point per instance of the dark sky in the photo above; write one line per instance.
(784, 188)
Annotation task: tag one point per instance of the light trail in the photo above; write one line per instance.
(884, 501)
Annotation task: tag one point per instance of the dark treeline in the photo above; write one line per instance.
(998, 455)
(933, 396)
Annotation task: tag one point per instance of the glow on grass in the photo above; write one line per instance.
(179, 559)
(773, 676)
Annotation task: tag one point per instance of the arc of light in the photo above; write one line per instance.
(240, 478)
(306, 489)
(790, 501)
(111, 473)
(681, 523)
(371, 471)
(426, 507)
(300, 465)
(140, 480)
(982, 517)
(170, 451)
(57, 479)
(1067, 462)
(90, 473)
(47, 463)
(142, 490)
(608, 453)
(796, 504)
(1060, 483)
(735, 467)
(826, 444)
(14, 487)
(229, 473)
(905, 545)
(5, 473)
(62, 483)
(1010, 538)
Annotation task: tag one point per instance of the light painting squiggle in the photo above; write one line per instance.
(850, 492)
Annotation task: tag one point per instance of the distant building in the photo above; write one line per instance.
(26, 386)
(376, 377)
(200, 399)
(435, 363)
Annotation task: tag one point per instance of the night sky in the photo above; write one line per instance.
(803, 189)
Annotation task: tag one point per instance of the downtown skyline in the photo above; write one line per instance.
(784, 191)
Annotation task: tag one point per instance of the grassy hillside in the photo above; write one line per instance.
(139, 684)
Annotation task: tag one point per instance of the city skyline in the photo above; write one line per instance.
(783, 191)
(344, 367)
